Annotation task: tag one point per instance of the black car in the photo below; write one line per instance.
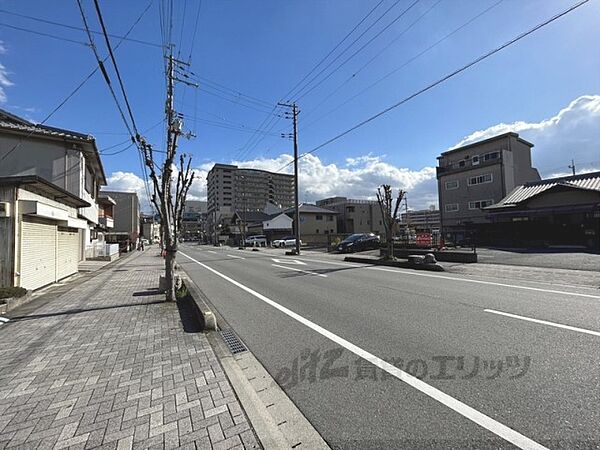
(359, 242)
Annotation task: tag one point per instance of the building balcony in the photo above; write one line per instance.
(106, 222)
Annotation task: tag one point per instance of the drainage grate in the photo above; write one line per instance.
(233, 342)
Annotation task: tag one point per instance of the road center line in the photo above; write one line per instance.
(544, 322)
(300, 270)
(211, 251)
(463, 409)
(468, 280)
(236, 257)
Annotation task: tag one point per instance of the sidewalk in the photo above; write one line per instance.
(108, 365)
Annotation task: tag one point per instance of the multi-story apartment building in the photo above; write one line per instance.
(355, 216)
(195, 206)
(421, 220)
(126, 217)
(478, 175)
(231, 189)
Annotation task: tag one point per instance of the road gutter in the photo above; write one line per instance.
(277, 421)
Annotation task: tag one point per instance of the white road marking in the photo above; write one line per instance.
(463, 409)
(469, 280)
(4, 320)
(211, 251)
(289, 261)
(236, 257)
(300, 270)
(544, 322)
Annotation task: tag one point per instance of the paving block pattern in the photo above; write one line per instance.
(108, 365)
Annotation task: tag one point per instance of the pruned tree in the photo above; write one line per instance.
(389, 213)
(169, 204)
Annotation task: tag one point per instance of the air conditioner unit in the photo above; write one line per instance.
(4, 209)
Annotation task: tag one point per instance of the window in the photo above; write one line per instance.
(451, 185)
(480, 179)
(89, 181)
(461, 163)
(451, 207)
(475, 160)
(330, 217)
(350, 209)
(317, 231)
(319, 217)
(478, 204)
(490, 156)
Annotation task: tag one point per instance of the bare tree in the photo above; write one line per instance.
(169, 206)
(389, 213)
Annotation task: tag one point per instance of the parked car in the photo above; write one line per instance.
(288, 241)
(256, 241)
(359, 242)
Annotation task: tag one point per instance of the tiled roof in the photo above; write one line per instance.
(43, 130)
(587, 181)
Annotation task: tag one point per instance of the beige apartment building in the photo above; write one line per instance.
(355, 216)
(232, 189)
(478, 175)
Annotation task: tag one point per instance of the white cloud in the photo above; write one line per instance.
(573, 133)
(4, 79)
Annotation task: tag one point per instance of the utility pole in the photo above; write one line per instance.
(295, 112)
(572, 166)
(170, 206)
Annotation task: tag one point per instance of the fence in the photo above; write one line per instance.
(101, 250)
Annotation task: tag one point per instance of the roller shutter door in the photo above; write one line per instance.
(38, 253)
(67, 255)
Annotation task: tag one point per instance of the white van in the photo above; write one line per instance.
(256, 241)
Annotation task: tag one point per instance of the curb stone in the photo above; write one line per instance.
(276, 420)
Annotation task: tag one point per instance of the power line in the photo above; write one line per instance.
(39, 33)
(228, 125)
(134, 135)
(348, 47)
(366, 44)
(353, 76)
(122, 86)
(256, 100)
(77, 88)
(195, 30)
(116, 66)
(334, 48)
(406, 63)
(58, 24)
(445, 78)
(267, 121)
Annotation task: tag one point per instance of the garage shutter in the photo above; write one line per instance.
(38, 253)
(67, 255)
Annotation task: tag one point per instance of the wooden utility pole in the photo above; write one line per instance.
(295, 112)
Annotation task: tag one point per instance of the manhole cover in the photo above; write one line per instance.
(233, 342)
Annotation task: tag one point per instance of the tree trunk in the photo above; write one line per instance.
(170, 252)
(390, 249)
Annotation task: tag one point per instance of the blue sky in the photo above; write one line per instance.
(263, 48)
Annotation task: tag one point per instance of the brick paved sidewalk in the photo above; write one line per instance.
(109, 365)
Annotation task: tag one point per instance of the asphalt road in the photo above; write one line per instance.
(482, 379)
